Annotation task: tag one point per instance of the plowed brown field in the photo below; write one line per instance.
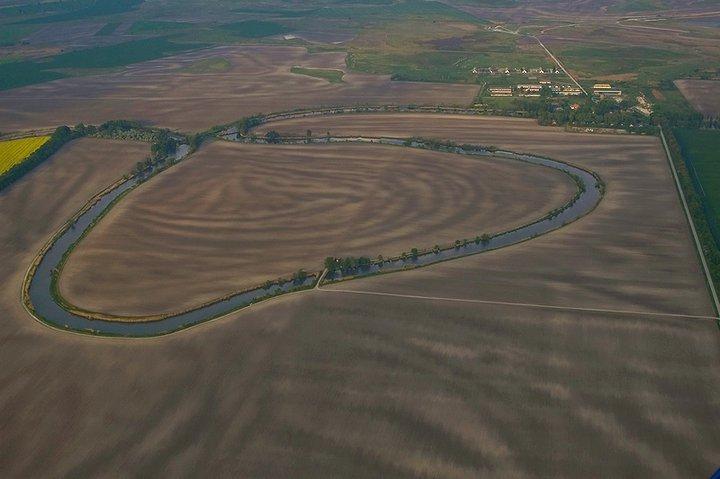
(237, 215)
(259, 81)
(633, 252)
(331, 384)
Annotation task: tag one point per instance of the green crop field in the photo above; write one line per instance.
(332, 76)
(209, 65)
(612, 60)
(117, 55)
(391, 10)
(440, 66)
(625, 6)
(81, 10)
(157, 28)
(255, 28)
(19, 73)
(227, 33)
(672, 104)
(435, 50)
(11, 34)
(701, 149)
(39, 8)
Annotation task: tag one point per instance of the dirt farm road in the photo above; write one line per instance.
(521, 305)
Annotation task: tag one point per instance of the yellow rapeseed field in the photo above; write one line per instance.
(13, 152)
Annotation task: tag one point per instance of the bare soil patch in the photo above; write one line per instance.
(237, 215)
(455, 390)
(258, 81)
(703, 95)
(324, 385)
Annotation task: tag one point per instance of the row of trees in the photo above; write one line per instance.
(164, 145)
(350, 264)
(273, 136)
(605, 113)
(482, 239)
(710, 122)
(248, 123)
(435, 144)
(347, 265)
(298, 277)
(685, 119)
(163, 149)
(674, 116)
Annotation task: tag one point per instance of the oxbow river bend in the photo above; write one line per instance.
(46, 308)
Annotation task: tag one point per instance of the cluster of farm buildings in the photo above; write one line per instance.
(605, 90)
(534, 89)
(600, 90)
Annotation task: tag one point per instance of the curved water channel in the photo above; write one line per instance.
(42, 302)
